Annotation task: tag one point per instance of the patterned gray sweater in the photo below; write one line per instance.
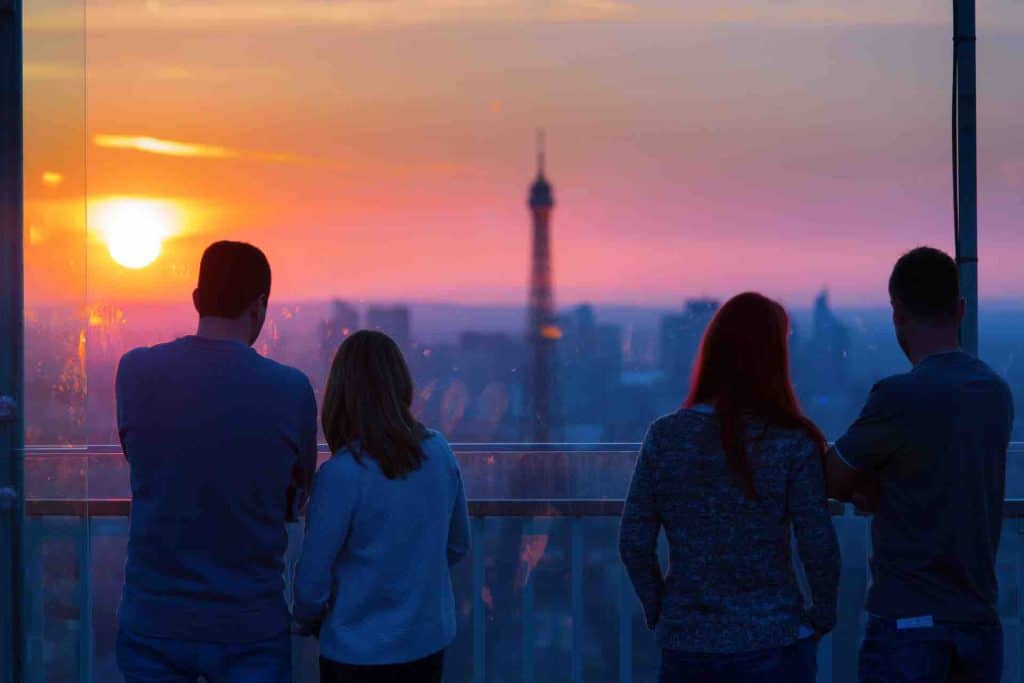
(731, 586)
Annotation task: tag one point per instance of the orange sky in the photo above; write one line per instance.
(382, 149)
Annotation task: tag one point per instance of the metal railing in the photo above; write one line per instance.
(573, 537)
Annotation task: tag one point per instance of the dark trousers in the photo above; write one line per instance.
(426, 670)
(796, 663)
(940, 653)
(143, 659)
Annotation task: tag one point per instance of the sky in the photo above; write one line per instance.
(382, 149)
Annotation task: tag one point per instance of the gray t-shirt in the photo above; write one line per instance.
(937, 438)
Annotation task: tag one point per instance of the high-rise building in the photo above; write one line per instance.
(831, 345)
(344, 321)
(542, 333)
(589, 375)
(680, 337)
(394, 321)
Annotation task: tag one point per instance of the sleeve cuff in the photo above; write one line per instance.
(839, 454)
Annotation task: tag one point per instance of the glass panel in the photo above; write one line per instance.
(55, 258)
(383, 155)
(57, 572)
(799, 160)
(1000, 182)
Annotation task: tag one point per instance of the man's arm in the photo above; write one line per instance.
(849, 485)
(852, 465)
(840, 478)
(121, 390)
(305, 461)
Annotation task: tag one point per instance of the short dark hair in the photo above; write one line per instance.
(926, 282)
(231, 276)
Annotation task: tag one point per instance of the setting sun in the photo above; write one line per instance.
(134, 229)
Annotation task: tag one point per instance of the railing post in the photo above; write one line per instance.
(479, 614)
(1020, 602)
(85, 639)
(626, 603)
(34, 669)
(576, 596)
(12, 606)
(527, 605)
(965, 171)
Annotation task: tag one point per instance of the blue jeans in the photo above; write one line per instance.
(934, 654)
(163, 660)
(796, 663)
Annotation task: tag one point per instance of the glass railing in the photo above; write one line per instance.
(542, 596)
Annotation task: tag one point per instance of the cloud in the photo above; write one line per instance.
(193, 150)
(290, 14)
(191, 14)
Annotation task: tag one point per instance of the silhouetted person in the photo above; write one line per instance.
(730, 478)
(387, 519)
(928, 455)
(219, 440)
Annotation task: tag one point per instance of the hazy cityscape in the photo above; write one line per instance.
(617, 368)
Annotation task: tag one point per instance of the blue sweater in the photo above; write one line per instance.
(216, 436)
(376, 557)
(731, 585)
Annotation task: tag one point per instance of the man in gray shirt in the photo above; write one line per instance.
(928, 456)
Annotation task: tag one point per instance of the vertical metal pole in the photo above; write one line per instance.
(527, 609)
(966, 172)
(479, 607)
(85, 635)
(12, 640)
(626, 603)
(576, 597)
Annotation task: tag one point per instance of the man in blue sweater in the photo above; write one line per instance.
(221, 442)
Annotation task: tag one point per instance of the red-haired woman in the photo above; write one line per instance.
(730, 477)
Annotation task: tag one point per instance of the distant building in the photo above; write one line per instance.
(394, 321)
(822, 369)
(831, 344)
(679, 339)
(589, 373)
(344, 321)
(489, 372)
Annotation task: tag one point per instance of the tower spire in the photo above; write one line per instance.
(543, 331)
(540, 152)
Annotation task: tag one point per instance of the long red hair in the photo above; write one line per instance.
(743, 372)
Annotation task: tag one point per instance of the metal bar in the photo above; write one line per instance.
(527, 609)
(479, 615)
(966, 173)
(825, 674)
(499, 449)
(12, 609)
(35, 666)
(85, 639)
(323, 450)
(1020, 601)
(626, 605)
(1013, 508)
(576, 596)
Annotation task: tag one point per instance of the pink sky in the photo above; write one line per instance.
(381, 149)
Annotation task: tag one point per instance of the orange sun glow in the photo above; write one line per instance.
(133, 229)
